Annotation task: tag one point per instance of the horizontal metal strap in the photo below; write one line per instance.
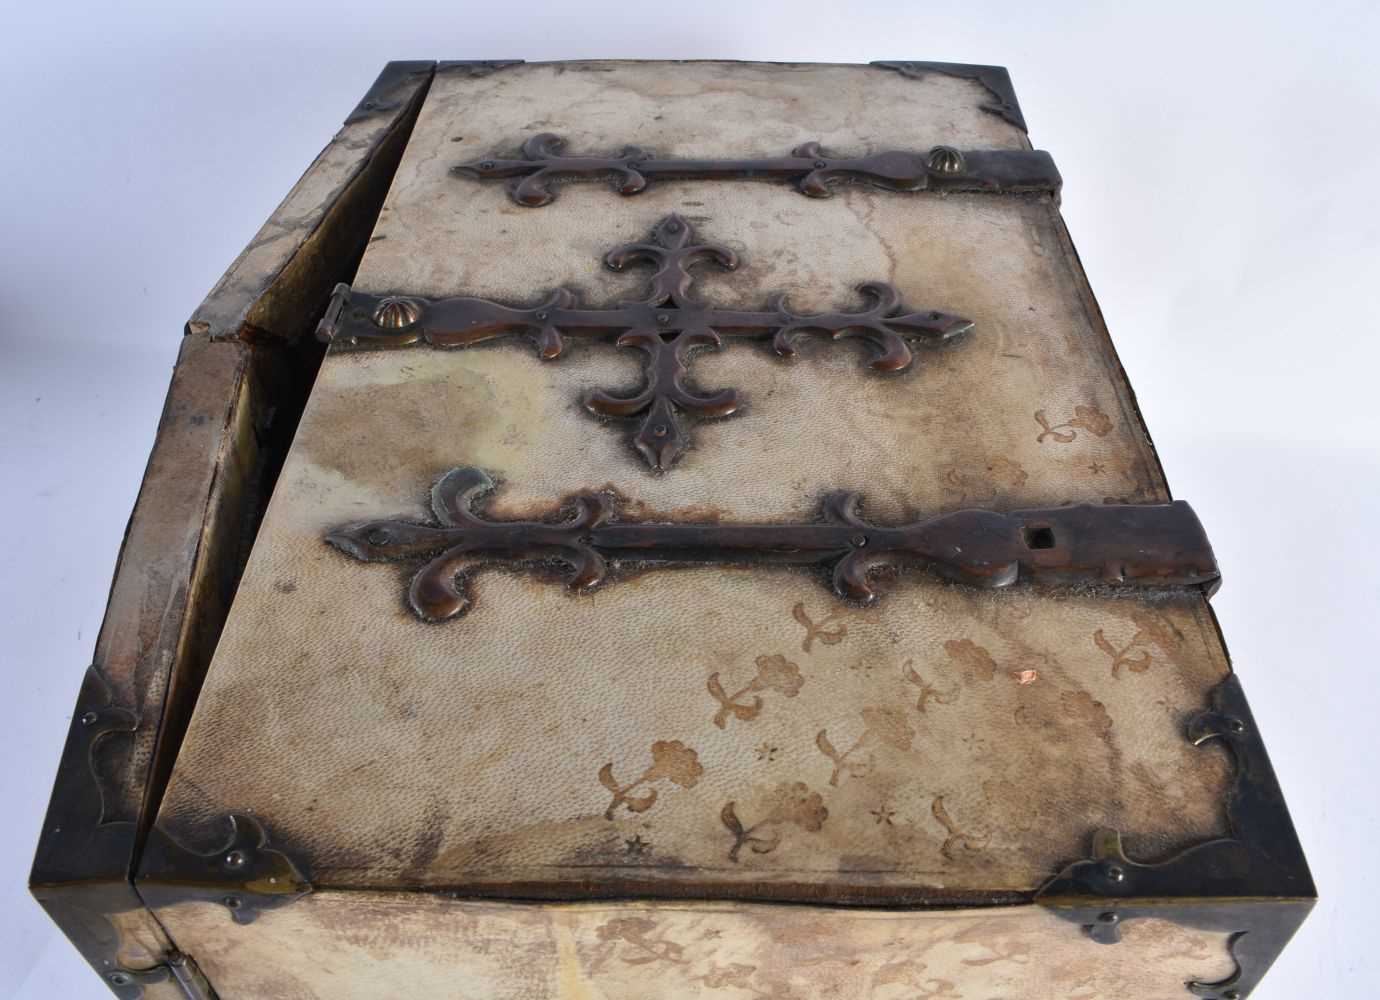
(814, 172)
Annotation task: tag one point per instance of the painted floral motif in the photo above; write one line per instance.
(1137, 655)
(774, 673)
(928, 692)
(1017, 952)
(1085, 418)
(976, 662)
(886, 726)
(1086, 710)
(790, 804)
(995, 477)
(639, 946)
(672, 761)
(957, 838)
(819, 629)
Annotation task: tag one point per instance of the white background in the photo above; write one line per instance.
(1220, 161)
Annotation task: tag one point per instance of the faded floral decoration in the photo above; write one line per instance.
(734, 974)
(910, 972)
(928, 692)
(1137, 655)
(672, 761)
(817, 629)
(957, 838)
(774, 673)
(1085, 418)
(1083, 708)
(996, 476)
(886, 726)
(640, 946)
(790, 803)
(976, 662)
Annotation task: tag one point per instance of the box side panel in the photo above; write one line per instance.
(353, 946)
(230, 413)
(280, 282)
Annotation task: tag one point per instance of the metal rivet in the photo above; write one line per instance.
(1115, 873)
(233, 902)
(89, 718)
(541, 315)
(236, 859)
(945, 160)
(660, 430)
(395, 313)
(936, 317)
(377, 537)
(820, 164)
(858, 540)
(662, 318)
(487, 165)
(672, 226)
(1108, 918)
(1231, 995)
(120, 978)
(1236, 725)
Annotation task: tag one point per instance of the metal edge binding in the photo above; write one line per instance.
(1253, 883)
(391, 89)
(995, 79)
(245, 874)
(475, 68)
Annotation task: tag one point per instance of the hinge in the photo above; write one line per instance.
(1149, 545)
(177, 967)
(814, 172)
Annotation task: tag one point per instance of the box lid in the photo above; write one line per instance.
(743, 726)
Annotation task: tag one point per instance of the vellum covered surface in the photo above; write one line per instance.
(353, 946)
(696, 731)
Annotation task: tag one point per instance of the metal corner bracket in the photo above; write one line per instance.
(995, 79)
(1253, 883)
(246, 875)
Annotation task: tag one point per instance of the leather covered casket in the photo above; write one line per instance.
(655, 530)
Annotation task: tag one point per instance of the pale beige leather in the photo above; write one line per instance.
(713, 731)
(362, 946)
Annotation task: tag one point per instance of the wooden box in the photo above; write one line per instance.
(641, 531)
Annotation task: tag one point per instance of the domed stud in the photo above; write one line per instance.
(396, 313)
(945, 160)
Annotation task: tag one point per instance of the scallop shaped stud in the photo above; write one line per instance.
(945, 160)
(396, 313)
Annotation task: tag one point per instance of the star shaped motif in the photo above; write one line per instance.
(883, 814)
(767, 752)
(636, 847)
(1097, 467)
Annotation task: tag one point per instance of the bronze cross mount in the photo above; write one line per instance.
(667, 323)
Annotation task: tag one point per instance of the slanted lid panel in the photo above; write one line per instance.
(721, 729)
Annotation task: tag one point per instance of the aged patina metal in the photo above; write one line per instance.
(814, 172)
(1253, 883)
(245, 874)
(995, 79)
(667, 324)
(1149, 545)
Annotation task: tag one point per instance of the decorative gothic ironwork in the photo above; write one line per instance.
(1252, 883)
(245, 875)
(1147, 545)
(994, 79)
(815, 172)
(667, 324)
